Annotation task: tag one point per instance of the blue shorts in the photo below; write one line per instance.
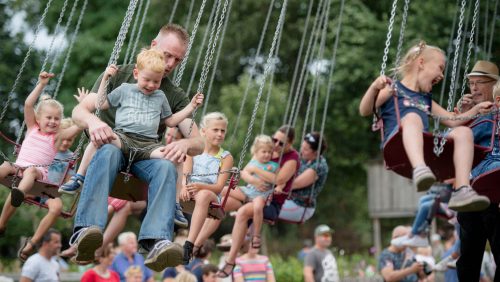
(488, 164)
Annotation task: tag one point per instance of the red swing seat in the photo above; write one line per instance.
(40, 188)
(215, 210)
(395, 157)
(487, 184)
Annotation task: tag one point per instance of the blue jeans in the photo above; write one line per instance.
(101, 173)
(424, 208)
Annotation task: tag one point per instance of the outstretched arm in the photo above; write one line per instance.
(452, 119)
(305, 179)
(378, 93)
(29, 104)
(181, 115)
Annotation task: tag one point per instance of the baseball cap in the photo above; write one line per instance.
(322, 229)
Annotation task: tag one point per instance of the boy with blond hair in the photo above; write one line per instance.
(139, 109)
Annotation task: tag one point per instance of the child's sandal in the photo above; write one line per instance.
(24, 255)
(226, 270)
(256, 242)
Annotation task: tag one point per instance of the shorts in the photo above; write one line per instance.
(251, 192)
(43, 170)
(131, 141)
(117, 204)
(290, 211)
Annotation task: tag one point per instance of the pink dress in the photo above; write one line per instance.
(38, 148)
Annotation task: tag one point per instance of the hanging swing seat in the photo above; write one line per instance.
(40, 188)
(487, 184)
(395, 157)
(215, 210)
(131, 189)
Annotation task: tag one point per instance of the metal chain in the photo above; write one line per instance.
(388, 37)
(139, 32)
(70, 49)
(469, 49)
(449, 49)
(174, 9)
(212, 20)
(23, 65)
(298, 90)
(208, 59)
(126, 60)
(267, 69)
(439, 141)
(178, 77)
(233, 170)
(401, 37)
(251, 74)
(297, 63)
(56, 31)
(219, 48)
(314, 87)
(65, 30)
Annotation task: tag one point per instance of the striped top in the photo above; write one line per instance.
(38, 148)
(253, 269)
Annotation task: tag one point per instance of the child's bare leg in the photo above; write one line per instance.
(7, 212)
(258, 217)
(413, 140)
(55, 207)
(6, 169)
(29, 176)
(463, 154)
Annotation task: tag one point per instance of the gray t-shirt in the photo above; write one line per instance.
(138, 113)
(324, 265)
(38, 268)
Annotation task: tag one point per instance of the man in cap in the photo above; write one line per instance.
(478, 227)
(319, 263)
(395, 263)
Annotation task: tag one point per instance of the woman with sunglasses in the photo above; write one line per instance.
(288, 159)
(309, 182)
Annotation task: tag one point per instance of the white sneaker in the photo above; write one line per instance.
(417, 241)
(443, 264)
(452, 264)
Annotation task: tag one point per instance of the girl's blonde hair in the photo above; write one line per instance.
(66, 123)
(261, 141)
(133, 270)
(496, 90)
(152, 60)
(212, 116)
(185, 276)
(419, 50)
(46, 101)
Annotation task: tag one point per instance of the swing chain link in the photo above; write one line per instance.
(178, 78)
(233, 170)
(389, 36)
(401, 37)
(471, 45)
(56, 31)
(439, 144)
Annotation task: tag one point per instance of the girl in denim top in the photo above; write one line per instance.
(482, 136)
(420, 69)
(205, 189)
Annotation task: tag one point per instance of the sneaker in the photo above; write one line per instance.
(87, 240)
(188, 252)
(164, 254)
(465, 199)
(417, 241)
(16, 197)
(423, 178)
(443, 264)
(73, 186)
(179, 218)
(452, 264)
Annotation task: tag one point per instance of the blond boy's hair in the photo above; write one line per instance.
(419, 50)
(152, 60)
(47, 101)
(261, 141)
(133, 270)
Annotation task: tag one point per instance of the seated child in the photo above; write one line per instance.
(139, 109)
(46, 132)
(205, 184)
(42, 139)
(420, 69)
(262, 151)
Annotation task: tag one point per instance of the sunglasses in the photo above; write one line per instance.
(310, 138)
(280, 143)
